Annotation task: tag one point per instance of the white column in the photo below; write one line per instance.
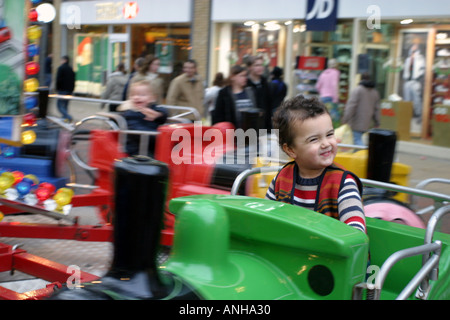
(225, 37)
(288, 61)
(355, 52)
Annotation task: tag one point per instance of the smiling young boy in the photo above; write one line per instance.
(312, 180)
(142, 114)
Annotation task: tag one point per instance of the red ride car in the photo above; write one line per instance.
(5, 34)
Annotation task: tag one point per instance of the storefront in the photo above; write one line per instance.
(367, 37)
(98, 35)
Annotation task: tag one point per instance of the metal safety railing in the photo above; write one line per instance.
(186, 110)
(421, 276)
(430, 251)
(366, 182)
(116, 122)
(422, 185)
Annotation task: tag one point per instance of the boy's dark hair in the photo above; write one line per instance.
(296, 108)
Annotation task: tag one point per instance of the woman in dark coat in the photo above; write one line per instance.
(234, 98)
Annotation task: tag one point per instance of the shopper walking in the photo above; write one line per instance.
(138, 63)
(65, 84)
(259, 84)
(114, 87)
(328, 87)
(187, 89)
(48, 71)
(212, 92)
(328, 83)
(234, 98)
(278, 88)
(362, 111)
(149, 71)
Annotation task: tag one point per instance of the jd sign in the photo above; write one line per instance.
(321, 15)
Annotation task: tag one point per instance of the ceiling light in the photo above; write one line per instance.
(249, 23)
(270, 23)
(299, 28)
(46, 12)
(406, 21)
(273, 27)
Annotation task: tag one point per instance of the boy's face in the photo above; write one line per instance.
(141, 95)
(314, 147)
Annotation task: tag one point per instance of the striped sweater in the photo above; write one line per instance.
(347, 205)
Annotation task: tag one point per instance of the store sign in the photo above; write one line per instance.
(107, 11)
(116, 10)
(311, 63)
(321, 15)
(387, 109)
(73, 14)
(130, 10)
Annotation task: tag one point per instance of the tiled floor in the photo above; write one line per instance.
(91, 257)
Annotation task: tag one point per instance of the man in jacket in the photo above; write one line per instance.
(258, 83)
(187, 89)
(362, 111)
(65, 83)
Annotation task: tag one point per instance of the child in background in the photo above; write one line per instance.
(141, 113)
(312, 180)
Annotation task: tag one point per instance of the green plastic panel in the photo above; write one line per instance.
(235, 247)
(386, 238)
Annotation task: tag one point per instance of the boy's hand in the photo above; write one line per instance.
(150, 114)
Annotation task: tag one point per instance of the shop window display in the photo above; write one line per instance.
(441, 69)
(255, 39)
(376, 44)
(411, 86)
(241, 47)
(440, 90)
(343, 32)
(337, 45)
(171, 43)
(382, 35)
(89, 47)
(162, 40)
